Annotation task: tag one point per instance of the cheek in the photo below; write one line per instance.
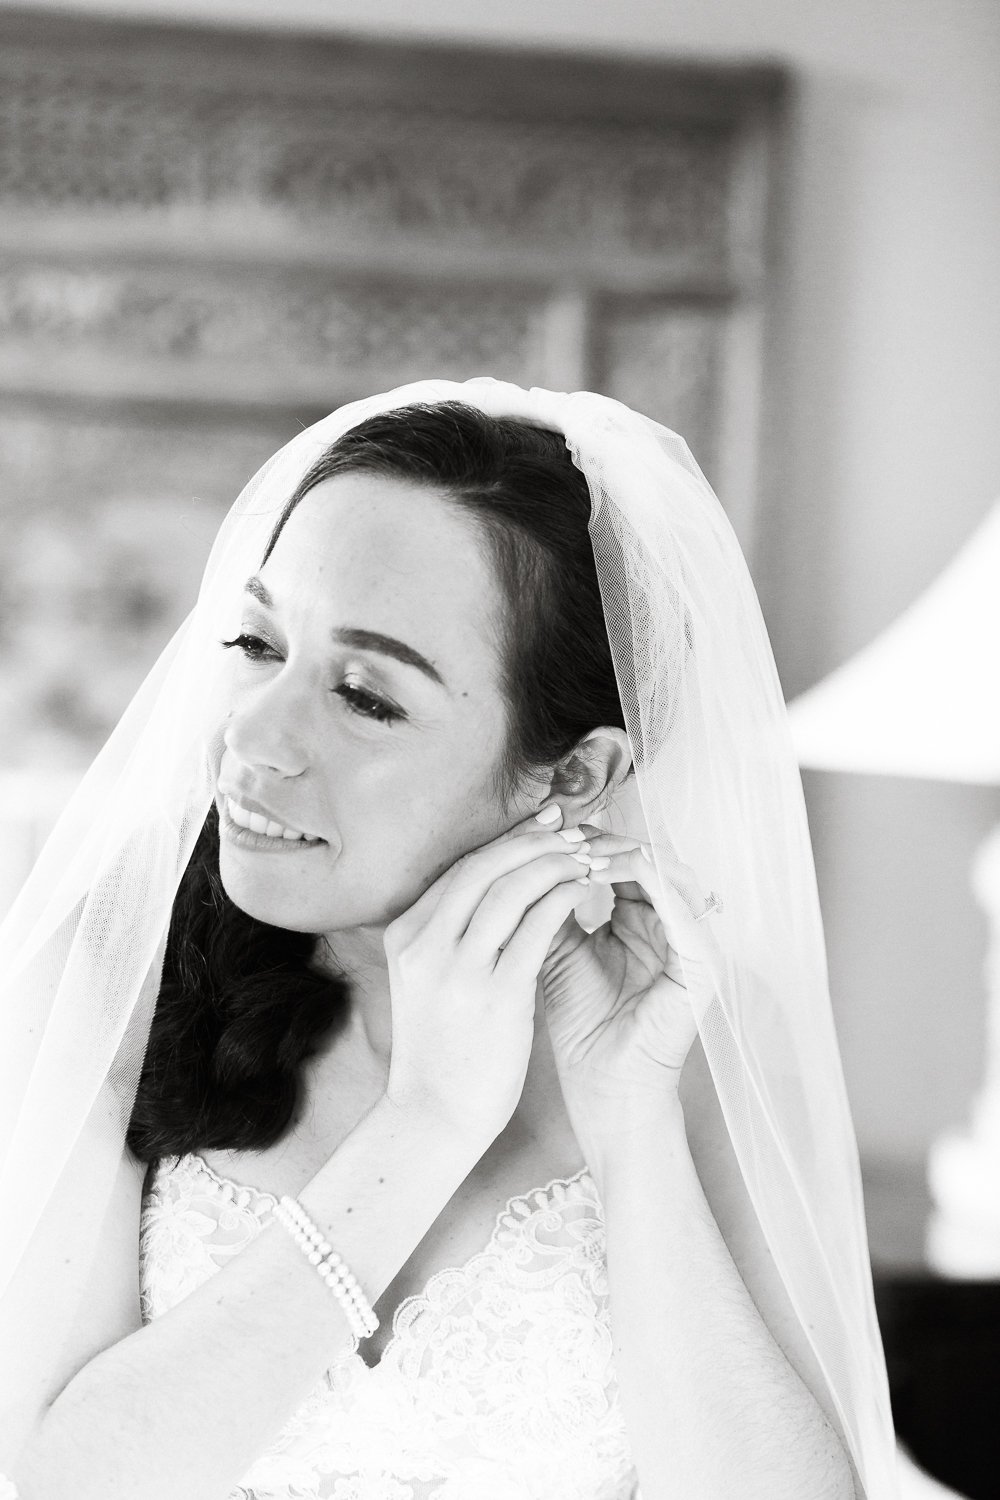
(390, 852)
(399, 837)
(404, 844)
(399, 824)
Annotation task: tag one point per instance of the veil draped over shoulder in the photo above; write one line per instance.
(719, 787)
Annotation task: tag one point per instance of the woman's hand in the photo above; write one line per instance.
(618, 1001)
(464, 962)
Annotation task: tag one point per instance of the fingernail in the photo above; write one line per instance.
(601, 863)
(645, 854)
(550, 814)
(583, 859)
(584, 880)
(572, 835)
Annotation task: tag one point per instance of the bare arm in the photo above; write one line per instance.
(711, 1403)
(184, 1405)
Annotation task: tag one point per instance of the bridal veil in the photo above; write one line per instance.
(718, 783)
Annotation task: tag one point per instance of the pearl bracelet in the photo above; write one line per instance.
(290, 1213)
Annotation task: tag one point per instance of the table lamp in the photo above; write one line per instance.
(923, 699)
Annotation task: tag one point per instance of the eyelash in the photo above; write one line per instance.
(366, 705)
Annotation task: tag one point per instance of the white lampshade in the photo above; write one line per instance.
(923, 699)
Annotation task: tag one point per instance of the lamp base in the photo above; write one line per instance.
(963, 1168)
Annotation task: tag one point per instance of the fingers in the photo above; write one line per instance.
(668, 878)
(508, 900)
(453, 898)
(482, 899)
(505, 904)
(674, 892)
(609, 843)
(527, 948)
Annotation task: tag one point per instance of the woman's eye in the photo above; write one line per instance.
(253, 648)
(363, 703)
(367, 705)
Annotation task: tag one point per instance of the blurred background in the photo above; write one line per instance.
(773, 225)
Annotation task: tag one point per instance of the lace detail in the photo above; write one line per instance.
(193, 1221)
(497, 1380)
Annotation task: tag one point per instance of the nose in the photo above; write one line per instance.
(265, 732)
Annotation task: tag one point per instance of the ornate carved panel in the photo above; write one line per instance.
(207, 238)
(288, 334)
(106, 140)
(666, 359)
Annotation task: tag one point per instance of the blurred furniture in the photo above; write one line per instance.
(924, 700)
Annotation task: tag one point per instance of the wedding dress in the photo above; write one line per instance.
(496, 1384)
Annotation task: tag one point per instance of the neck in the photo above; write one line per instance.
(358, 955)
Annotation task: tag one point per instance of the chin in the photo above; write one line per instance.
(267, 902)
(273, 902)
(274, 913)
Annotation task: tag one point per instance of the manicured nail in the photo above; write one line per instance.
(584, 880)
(550, 814)
(572, 835)
(600, 863)
(582, 858)
(645, 854)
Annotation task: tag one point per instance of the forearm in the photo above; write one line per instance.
(184, 1405)
(711, 1405)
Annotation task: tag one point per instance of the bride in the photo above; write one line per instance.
(400, 1174)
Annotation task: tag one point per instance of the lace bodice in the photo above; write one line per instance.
(497, 1381)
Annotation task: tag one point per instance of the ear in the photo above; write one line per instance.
(586, 780)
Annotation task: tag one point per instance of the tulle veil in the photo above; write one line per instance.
(717, 783)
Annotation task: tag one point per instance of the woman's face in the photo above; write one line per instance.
(383, 752)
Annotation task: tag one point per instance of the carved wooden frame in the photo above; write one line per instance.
(210, 236)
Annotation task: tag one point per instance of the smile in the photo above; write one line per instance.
(255, 822)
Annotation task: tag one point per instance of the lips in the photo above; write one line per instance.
(247, 812)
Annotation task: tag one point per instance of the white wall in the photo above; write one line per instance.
(887, 402)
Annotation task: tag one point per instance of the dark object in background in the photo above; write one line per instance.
(942, 1349)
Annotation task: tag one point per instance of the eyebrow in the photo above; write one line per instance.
(361, 640)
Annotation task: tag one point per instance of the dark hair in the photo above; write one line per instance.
(240, 1008)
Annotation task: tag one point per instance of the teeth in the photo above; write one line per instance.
(257, 823)
(237, 813)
